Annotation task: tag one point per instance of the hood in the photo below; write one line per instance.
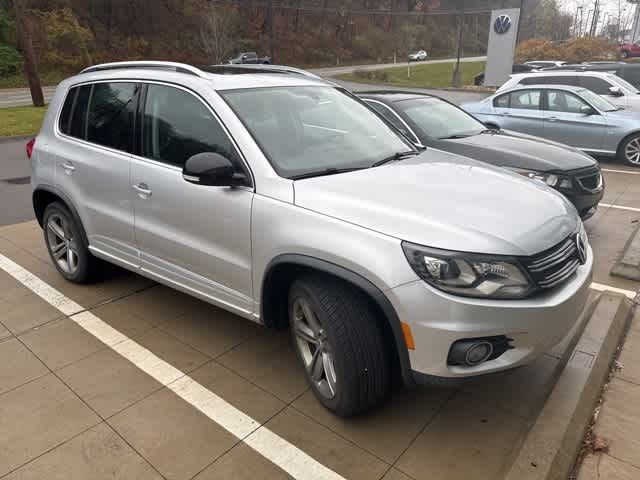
(445, 201)
(511, 149)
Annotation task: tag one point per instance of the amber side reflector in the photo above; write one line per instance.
(408, 336)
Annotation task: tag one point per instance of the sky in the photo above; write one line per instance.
(606, 6)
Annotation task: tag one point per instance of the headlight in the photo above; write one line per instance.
(469, 274)
(551, 179)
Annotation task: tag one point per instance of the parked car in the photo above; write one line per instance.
(572, 115)
(418, 56)
(286, 200)
(478, 80)
(250, 58)
(433, 122)
(627, 71)
(608, 85)
(545, 63)
(628, 50)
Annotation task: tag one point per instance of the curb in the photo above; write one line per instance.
(628, 265)
(551, 445)
(16, 138)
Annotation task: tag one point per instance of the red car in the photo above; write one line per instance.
(630, 50)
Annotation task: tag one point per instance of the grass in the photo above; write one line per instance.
(20, 80)
(434, 75)
(21, 120)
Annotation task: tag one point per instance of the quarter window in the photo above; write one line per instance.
(177, 126)
(67, 108)
(79, 113)
(110, 119)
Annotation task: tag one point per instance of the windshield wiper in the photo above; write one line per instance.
(395, 157)
(325, 172)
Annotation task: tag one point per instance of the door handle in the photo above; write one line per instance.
(143, 190)
(68, 167)
(552, 119)
(505, 114)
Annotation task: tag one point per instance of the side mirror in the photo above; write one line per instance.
(616, 91)
(211, 169)
(491, 126)
(587, 110)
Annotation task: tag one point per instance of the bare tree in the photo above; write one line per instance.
(216, 33)
(26, 47)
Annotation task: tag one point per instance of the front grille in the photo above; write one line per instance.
(554, 266)
(591, 181)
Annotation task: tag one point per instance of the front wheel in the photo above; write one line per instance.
(629, 151)
(339, 341)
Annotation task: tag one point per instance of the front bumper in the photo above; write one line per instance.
(438, 319)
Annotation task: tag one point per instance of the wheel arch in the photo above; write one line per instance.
(45, 195)
(283, 269)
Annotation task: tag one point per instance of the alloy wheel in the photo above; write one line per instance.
(314, 348)
(632, 151)
(62, 246)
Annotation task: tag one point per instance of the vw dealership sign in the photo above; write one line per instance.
(502, 45)
(502, 24)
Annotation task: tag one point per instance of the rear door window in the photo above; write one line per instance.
(526, 100)
(111, 111)
(595, 84)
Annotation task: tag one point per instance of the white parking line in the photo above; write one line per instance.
(602, 288)
(611, 170)
(273, 447)
(619, 207)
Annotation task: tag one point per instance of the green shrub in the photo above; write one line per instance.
(10, 60)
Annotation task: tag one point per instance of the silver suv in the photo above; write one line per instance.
(285, 200)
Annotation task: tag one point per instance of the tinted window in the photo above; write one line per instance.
(596, 85)
(67, 108)
(110, 121)
(564, 102)
(561, 80)
(526, 99)
(177, 126)
(533, 81)
(502, 102)
(79, 114)
(440, 119)
(632, 75)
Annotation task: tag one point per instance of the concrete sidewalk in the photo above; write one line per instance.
(616, 434)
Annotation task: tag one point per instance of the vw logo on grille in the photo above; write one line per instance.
(582, 249)
(502, 24)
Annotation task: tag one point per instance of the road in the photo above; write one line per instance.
(15, 97)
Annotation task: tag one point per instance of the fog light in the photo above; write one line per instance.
(478, 353)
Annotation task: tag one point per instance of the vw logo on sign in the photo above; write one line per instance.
(502, 24)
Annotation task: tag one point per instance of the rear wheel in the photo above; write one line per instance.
(66, 246)
(339, 341)
(629, 151)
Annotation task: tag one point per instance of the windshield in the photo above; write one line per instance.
(303, 130)
(439, 119)
(597, 101)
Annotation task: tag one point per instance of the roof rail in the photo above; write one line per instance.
(157, 65)
(229, 68)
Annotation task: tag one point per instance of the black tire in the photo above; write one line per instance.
(632, 142)
(87, 265)
(625, 54)
(355, 339)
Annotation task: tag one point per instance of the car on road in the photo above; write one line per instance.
(545, 63)
(628, 50)
(433, 122)
(571, 115)
(286, 200)
(249, 58)
(418, 56)
(608, 85)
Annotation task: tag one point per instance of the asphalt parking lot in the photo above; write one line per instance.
(129, 379)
